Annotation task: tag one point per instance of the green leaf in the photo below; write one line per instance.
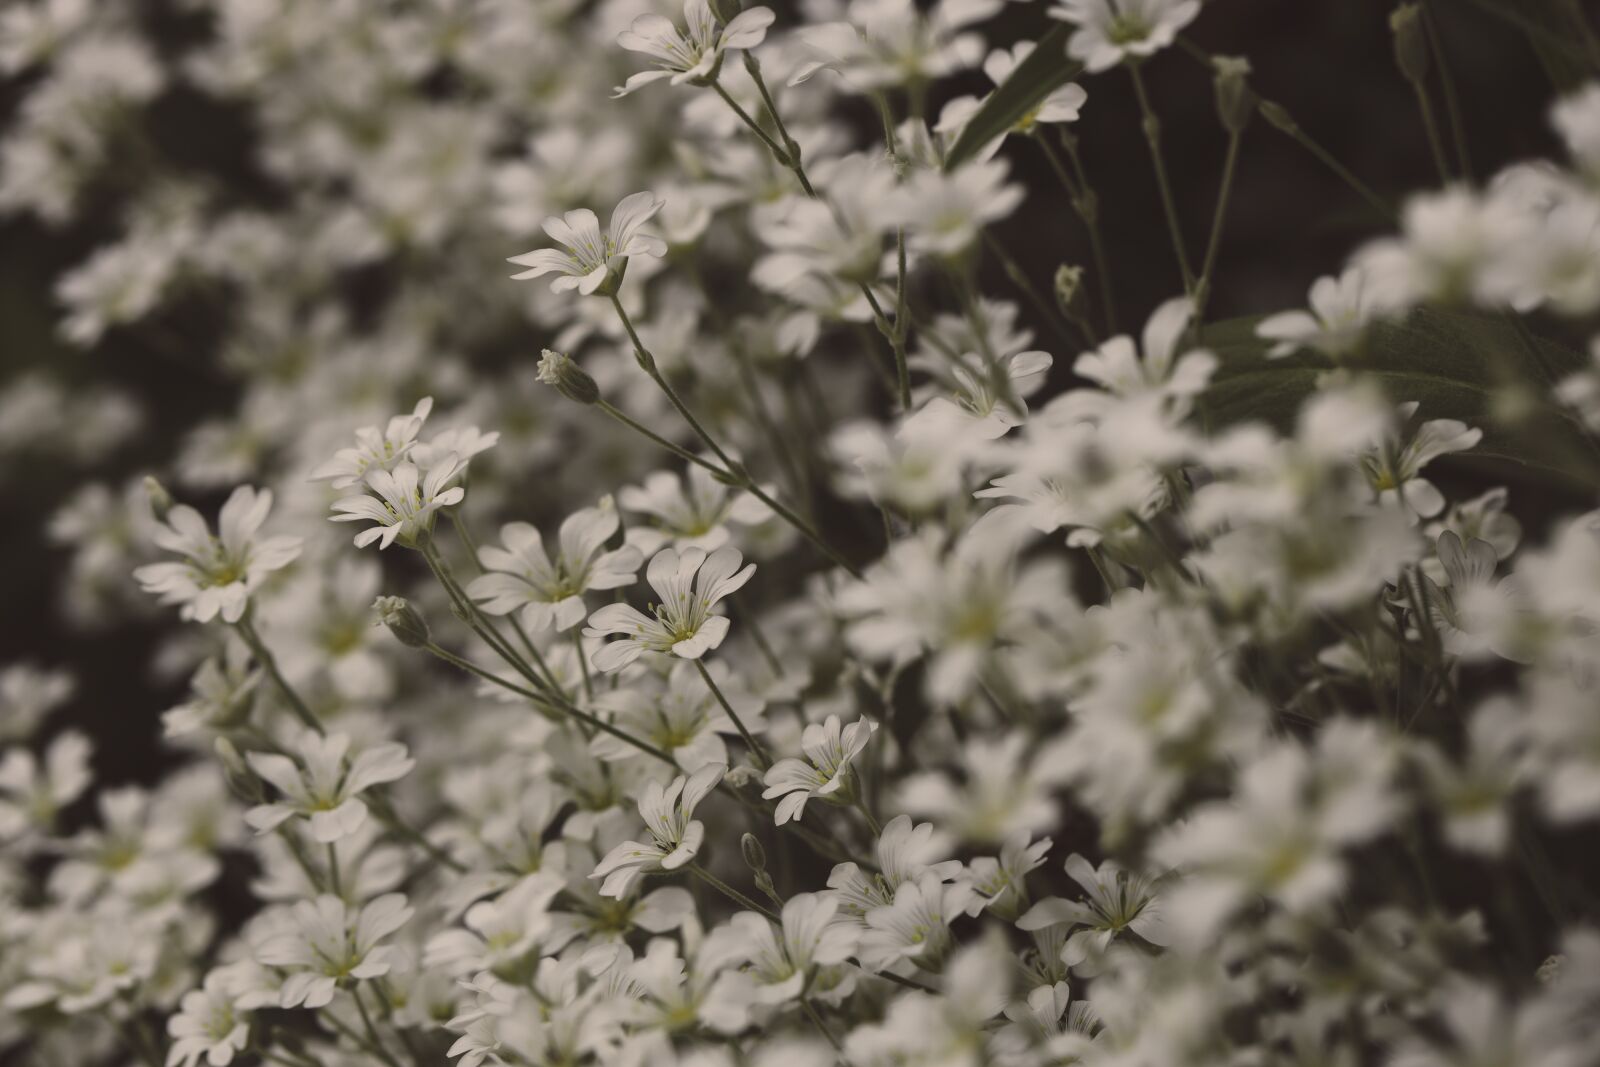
(1555, 31)
(1046, 69)
(1455, 364)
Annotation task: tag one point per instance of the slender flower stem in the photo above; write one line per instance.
(333, 871)
(1276, 115)
(545, 702)
(732, 472)
(1431, 124)
(378, 1048)
(816, 1020)
(258, 648)
(1020, 279)
(731, 893)
(1214, 244)
(583, 664)
(1452, 102)
(1090, 214)
(755, 746)
(762, 644)
(676, 449)
(1152, 135)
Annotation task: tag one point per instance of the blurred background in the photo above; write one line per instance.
(1329, 62)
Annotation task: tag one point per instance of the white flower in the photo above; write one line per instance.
(1118, 367)
(221, 572)
(330, 944)
(1060, 105)
(781, 957)
(885, 43)
(1116, 901)
(209, 1023)
(406, 502)
(591, 258)
(825, 772)
(549, 593)
(1341, 308)
(1394, 465)
(1110, 31)
(31, 795)
(916, 926)
(904, 853)
(693, 55)
(693, 511)
(944, 212)
(684, 720)
(682, 623)
(674, 835)
(324, 786)
(500, 932)
(375, 450)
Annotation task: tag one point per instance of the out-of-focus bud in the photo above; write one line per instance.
(403, 620)
(242, 783)
(755, 857)
(1069, 289)
(160, 499)
(571, 381)
(1279, 117)
(1236, 101)
(1410, 42)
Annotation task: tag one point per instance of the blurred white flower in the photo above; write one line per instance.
(330, 944)
(324, 783)
(590, 261)
(220, 572)
(689, 584)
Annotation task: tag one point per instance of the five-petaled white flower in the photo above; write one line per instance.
(1114, 31)
(406, 502)
(549, 592)
(1116, 901)
(324, 786)
(211, 1022)
(330, 944)
(825, 772)
(375, 450)
(675, 835)
(219, 573)
(1341, 308)
(592, 259)
(693, 55)
(781, 957)
(689, 584)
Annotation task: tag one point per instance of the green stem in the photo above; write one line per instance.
(1452, 102)
(816, 1020)
(1152, 135)
(1091, 221)
(258, 648)
(583, 664)
(1282, 120)
(1214, 245)
(333, 871)
(378, 1049)
(676, 449)
(1431, 124)
(755, 746)
(731, 893)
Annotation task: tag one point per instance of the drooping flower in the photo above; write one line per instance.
(220, 572)
(689, 584)
(547, 592)
(590, 261)
(325, 786)
(675, 834)
(694, 54)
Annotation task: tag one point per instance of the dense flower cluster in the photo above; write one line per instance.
(694, 712)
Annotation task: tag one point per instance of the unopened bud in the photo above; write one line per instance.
(571, 381)
(755, 857)
(1410, 42)
(160, 499)
(403, 620)
(1279, 117)
(241, 782)
(1236, 101)
(1069, 289)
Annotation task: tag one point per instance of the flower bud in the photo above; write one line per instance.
(1278, 116)
(1410, 42)
(160, 499)
(571, 381)
(1069, 289)
(755, 857)
(403, 620)
(1236, 101)
(242, 783)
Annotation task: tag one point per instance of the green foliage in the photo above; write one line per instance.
(1046, 69)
